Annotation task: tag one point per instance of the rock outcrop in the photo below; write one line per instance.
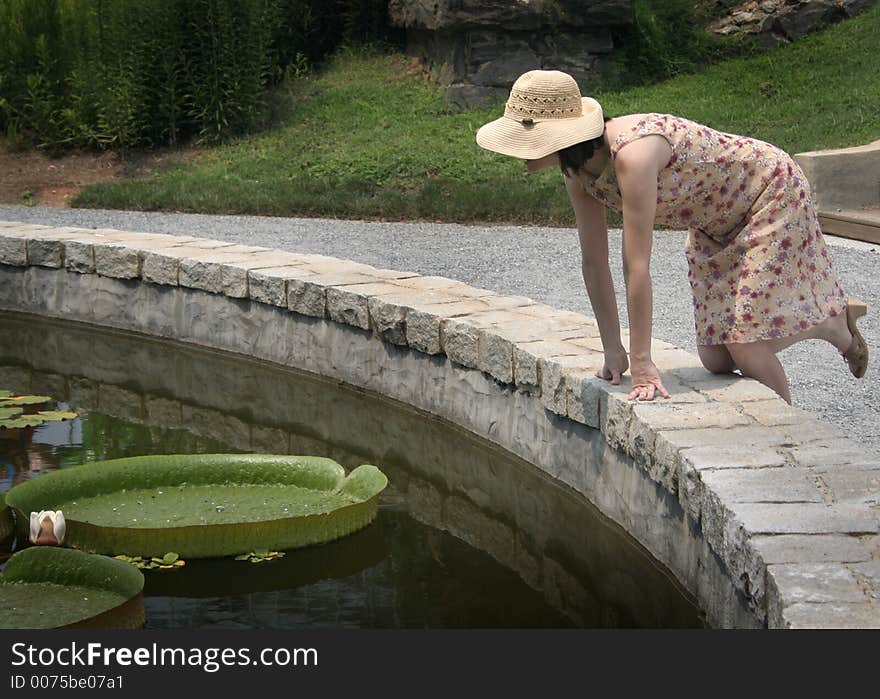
(774, 22)
(479, 47)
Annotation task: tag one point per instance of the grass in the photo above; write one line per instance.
(371, 138)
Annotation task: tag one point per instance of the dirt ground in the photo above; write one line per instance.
(30, 177)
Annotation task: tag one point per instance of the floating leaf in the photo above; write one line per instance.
(24, 400)
(56, 414)
(5, 394)
(21, 422)
(6, 413)
(169, 558)
(67, 588)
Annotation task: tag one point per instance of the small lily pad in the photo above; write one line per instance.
(167, 562)
(23, 400)
(11, 410)
(260, 556)
(57, 415)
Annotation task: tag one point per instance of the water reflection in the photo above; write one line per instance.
(467, 535)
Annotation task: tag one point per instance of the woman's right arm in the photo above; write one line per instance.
(593, 236)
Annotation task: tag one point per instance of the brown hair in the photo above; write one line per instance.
(574, 157)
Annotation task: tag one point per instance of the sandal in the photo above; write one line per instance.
(857, 355)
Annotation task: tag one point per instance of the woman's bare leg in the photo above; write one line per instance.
(758, 361)
(833, 329)
(716, 359)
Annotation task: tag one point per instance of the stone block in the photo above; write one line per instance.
(422, 329)
(811, 548)
(682, 453)
(200, 274)
(235, 263)
(388, 320)
(843, 178)
(79, 256)
(527, 355)
(669, 358)
(459, 340)
(809, 584)
(160, 267)
(739, 390)
(269, 284)
(785, 484)
(449, 286)
(13, 251)
(583, 392)
(553, 372)
(856, 485)
(20, 226)
(868, 575)
(117, 261)
(207, 244)
(308, 295)
(661, 415)
(350, 304)
(807, 518)
(526, 374)
(497, 343)
(829, 616)
(45, 253)
(306, 298)
(775, 411)
(725, 388)
(825, 453)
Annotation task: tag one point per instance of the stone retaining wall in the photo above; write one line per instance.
(769, 517)
(582, 564)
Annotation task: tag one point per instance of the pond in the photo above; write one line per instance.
(467, 536)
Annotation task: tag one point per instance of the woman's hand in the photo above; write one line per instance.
(646, 381)
(616, 363)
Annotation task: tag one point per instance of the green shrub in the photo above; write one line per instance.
(668, 38)
(125, 73)
(134, 73)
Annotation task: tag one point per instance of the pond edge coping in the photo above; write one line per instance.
(787, 503)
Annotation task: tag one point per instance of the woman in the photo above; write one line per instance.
(758, 267)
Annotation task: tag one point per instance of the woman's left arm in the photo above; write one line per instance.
(637, 167)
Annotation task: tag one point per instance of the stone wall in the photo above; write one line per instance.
(766, 515)
(774, 22)
(479, 48)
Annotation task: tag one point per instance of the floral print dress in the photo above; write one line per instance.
(758, 265)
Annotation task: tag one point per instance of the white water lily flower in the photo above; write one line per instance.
(47, 527)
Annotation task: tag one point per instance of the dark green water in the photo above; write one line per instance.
(467, 536)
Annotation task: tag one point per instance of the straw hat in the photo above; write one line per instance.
(544, 113)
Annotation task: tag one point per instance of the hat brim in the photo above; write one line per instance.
(532, 141)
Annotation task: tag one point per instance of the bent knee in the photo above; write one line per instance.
(716, 359)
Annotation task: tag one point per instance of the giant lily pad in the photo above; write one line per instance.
(6, 523)
(48, 588)
(205, 505)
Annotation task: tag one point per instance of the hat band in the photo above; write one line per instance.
(538, 109)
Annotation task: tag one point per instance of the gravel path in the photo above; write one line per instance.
(544, 264)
